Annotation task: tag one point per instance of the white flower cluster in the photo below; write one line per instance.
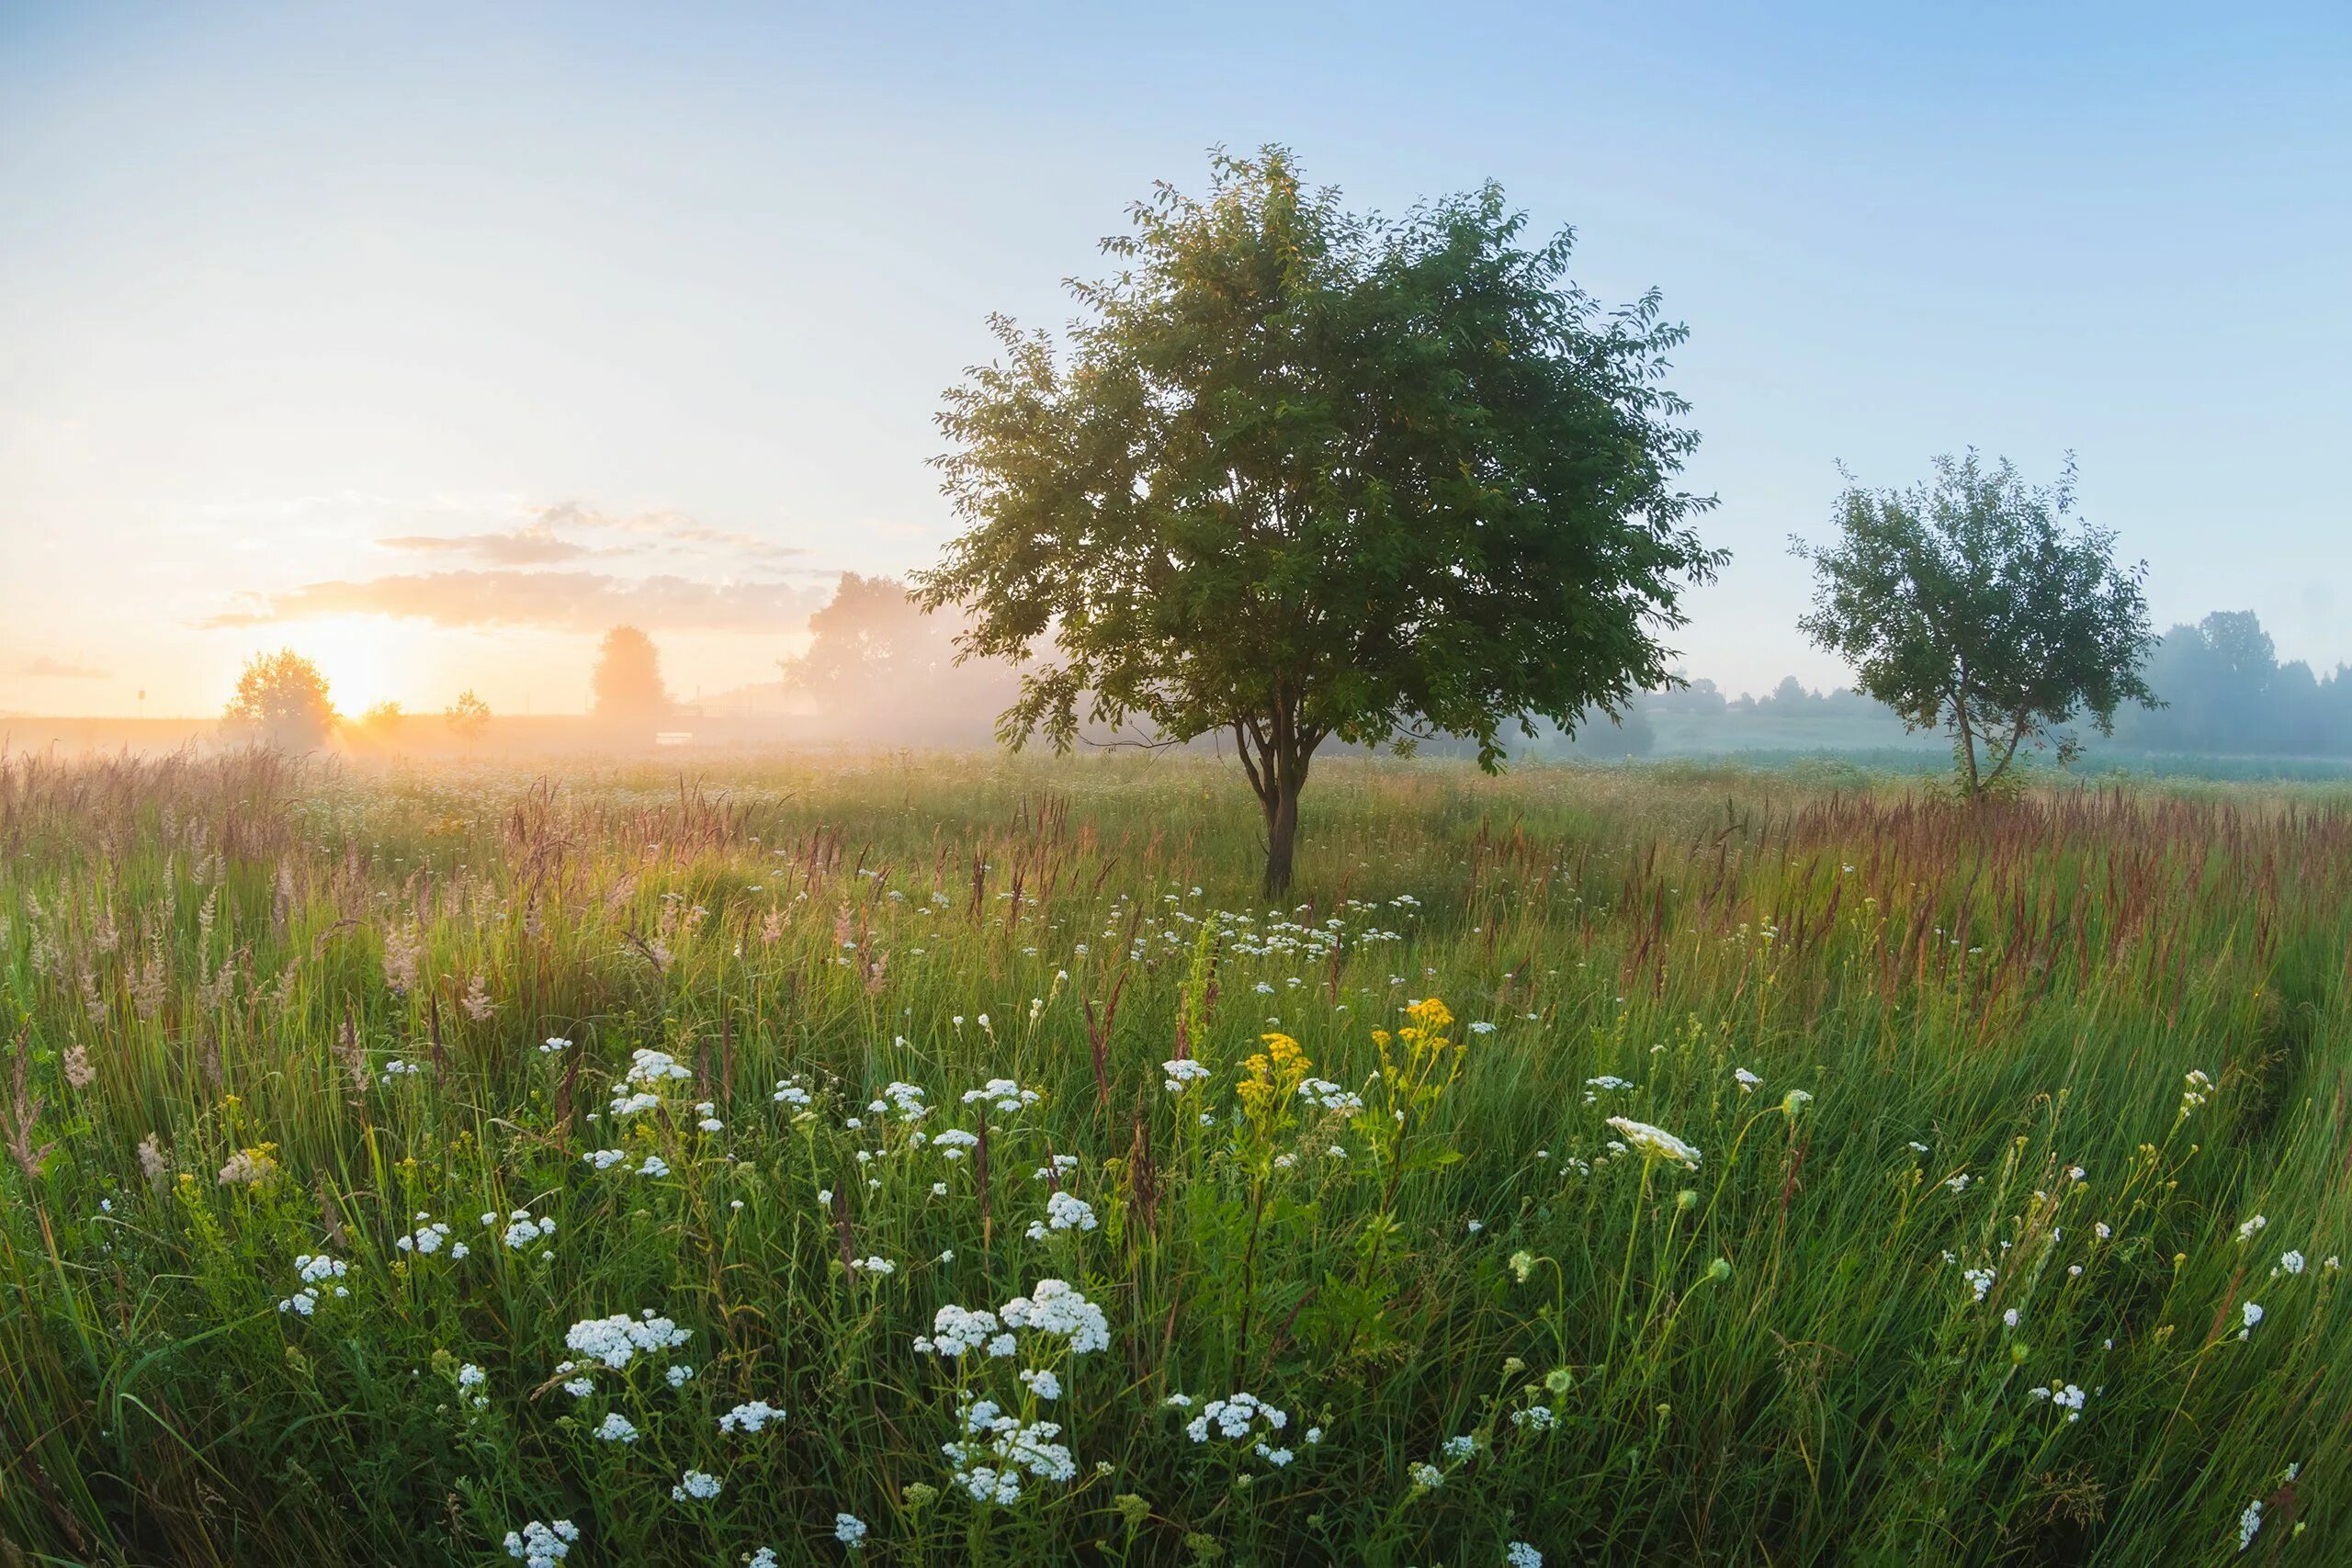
(429, 1236)
(618, 1428)
(956, 1331)
(604, 1159)
(1980, 1280)
(1002, 1094)
(471, 1381)
(791, 1092)
(314, 1270)
(951, 1143)
(1063, 1212)
(875, 1266)
(1062, 1165)
(904, 1099)
(617, 1340)
(396, 1068)
(1183, 1070)
(1054, 1308)
(2066, 1396)
(553, 1044)
(1746, 1080)
(542, 1546)
(990, 1466)
(1326, 1096)
(850, 1531)
(2246, 1232)
(1234, 1418)
(648, 1071)
(1656, 1142)
(698, 1483)
(750, 1417)
(2198, 1087)
(522, 1229)
(1520, 1554)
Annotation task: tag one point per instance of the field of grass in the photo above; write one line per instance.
(951, 1161)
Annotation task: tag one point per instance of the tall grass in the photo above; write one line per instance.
(2002, 1123)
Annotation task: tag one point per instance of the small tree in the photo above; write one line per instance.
(627, 682)
(1966, 601)
(1309, 475)
(467, 716)
(282, 702)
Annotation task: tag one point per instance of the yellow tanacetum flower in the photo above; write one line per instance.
(1269, 1078)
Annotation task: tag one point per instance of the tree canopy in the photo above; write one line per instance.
(627, 682)
(1967, 601)
(879, 669)
(1301, 473)
(281, 701)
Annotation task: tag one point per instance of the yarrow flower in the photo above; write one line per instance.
(696, 1484)
(1183, 1070)
(542, 1545)
(617, 1341)
(1002, 1094)
(750, 1417)
(849, 1530)
(1519, 1554)
(1063, 1212)
(618, 1428)
(2250, 1314)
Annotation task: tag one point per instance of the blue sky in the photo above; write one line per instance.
(652, 307)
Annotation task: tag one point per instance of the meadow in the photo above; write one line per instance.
(951, 1160)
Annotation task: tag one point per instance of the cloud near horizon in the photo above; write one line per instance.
(41, 664)
(542, 541)
(566, 601)
(536, 544)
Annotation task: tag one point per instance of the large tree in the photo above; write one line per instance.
(627, 683)
(282, 701)
(1969, 602)
(1303, 474)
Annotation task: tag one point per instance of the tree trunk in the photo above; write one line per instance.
(1282, 836)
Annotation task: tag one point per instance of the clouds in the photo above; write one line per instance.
(534, 545)
(567, 600)
(543, 540)
(42, 665)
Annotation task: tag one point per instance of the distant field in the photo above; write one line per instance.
(951, 1161)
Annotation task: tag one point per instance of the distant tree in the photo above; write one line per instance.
(627, 682)
(878, 667)
(382, 717)
(467, 716)
(1312, 474)
(282, 702)
(1967, 602)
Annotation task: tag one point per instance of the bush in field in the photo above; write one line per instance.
(1312, 474)
(282, 702)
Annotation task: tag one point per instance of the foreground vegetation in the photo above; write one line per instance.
(950, 1162)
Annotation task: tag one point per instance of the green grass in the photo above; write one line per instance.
(1501, 1322)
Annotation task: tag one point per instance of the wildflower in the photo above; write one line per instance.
(604, 1159)
(2250, 1314)
(1746, 1080)
(1519, 1554)
(1233, 1418)
(750, 1416)
(1536, 1417)
(1329, 1097)
(617, 1340)
(789, 1091)
(2249, 1523)
(654, 1166)
(250, 1167)
(2247, 1230)
(1426, 1475)
(1053, 1307)
(678, 1375)
(1793, 1102)
(1980, 1280)
(2292, 1262)
(2010, 1317)
(618, 1428)
(542, 1545)
(1957, 1183)
(696, 1484)
(1656, 1142)
(1044, 1385)
(553, 1044)
(878, 1267)
(1002, 1094)
(850, 1531)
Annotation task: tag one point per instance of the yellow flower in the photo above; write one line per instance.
(1269, 1078)
(1431, 1013)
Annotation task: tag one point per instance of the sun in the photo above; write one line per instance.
(361, 656)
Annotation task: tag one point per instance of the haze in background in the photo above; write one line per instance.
(435, 341)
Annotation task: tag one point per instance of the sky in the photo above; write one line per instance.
(432, 340)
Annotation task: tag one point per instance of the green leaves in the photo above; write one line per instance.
(1302, 473)
(1966, 600)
